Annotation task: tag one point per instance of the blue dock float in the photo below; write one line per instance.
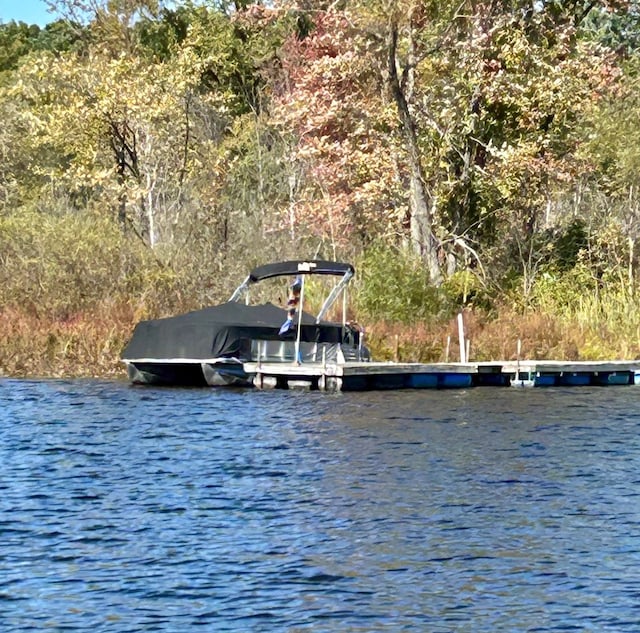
(614, 378)
(366, 376)
(572, 373)
(574, 379)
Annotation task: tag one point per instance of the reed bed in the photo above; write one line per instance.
(495, 336)
(89, 343)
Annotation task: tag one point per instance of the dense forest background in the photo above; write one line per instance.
(471, 155)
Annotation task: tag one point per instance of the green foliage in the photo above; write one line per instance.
(614, 29)
(393, 285)
(611, 146)
(62, 263)
(465, 288)
(568, 244)
(18, 40)
(560, 293)
(237, 52)
(159, 38)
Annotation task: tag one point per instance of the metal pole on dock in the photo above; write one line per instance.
(463, 355)
(344, 307)
(298, 358)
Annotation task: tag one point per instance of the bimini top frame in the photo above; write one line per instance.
(300, 267)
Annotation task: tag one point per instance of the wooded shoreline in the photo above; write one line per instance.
(466, 157)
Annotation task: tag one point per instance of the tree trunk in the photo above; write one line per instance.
(423, 240)
(124, 145)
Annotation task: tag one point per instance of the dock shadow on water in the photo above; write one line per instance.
(142, 509)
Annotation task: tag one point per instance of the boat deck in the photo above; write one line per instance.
(362, 376)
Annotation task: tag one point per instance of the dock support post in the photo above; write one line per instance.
(322, 380)
(258, 378)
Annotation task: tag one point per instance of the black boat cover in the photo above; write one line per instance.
(225, 330)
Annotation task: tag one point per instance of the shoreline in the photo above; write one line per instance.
(88, 344)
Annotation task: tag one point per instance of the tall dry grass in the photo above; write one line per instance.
(87, 344)
(495, 336)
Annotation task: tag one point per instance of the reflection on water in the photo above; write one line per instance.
(483, 510)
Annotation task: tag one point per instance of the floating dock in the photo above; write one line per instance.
(364, 376)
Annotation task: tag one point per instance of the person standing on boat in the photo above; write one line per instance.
(292, 305)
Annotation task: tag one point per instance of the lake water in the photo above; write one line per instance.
(482, 510)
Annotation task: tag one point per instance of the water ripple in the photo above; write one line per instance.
(177, 510)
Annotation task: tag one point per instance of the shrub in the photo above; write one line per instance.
(393, 285)
(60, 264)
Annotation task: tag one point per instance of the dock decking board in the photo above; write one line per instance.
(388, 375)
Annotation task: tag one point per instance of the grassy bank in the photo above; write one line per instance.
(87, 344)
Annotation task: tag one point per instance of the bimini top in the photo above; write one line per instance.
(295, 268)
(300, 267)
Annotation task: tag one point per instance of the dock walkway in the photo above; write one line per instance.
(363, 376)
